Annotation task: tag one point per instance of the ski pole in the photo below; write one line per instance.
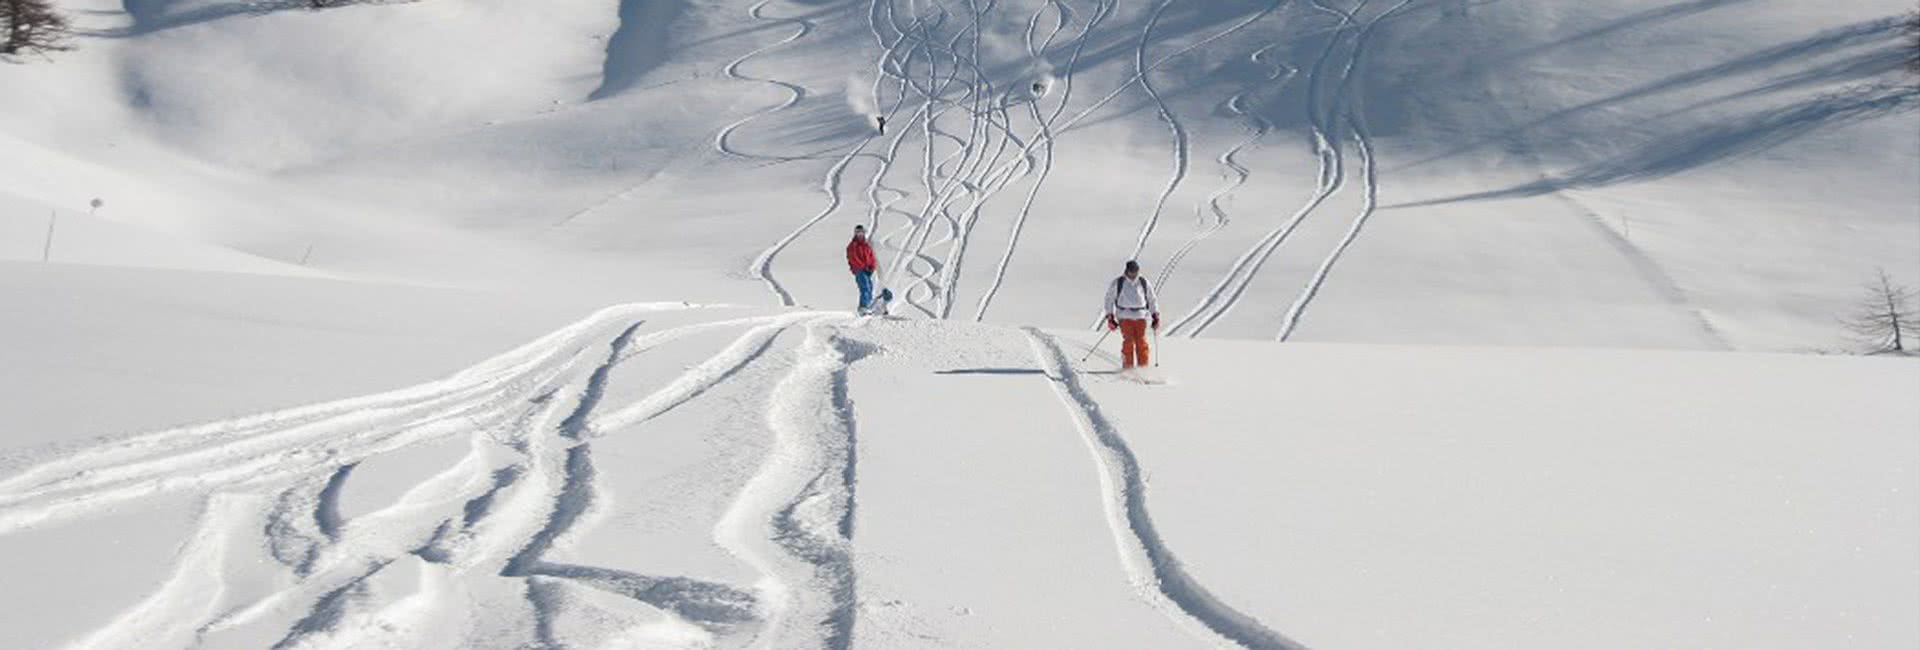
(1096, 346)
(1157, 350)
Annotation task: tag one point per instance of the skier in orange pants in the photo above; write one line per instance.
(1131, 309)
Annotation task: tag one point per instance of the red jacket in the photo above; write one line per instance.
(860, 256)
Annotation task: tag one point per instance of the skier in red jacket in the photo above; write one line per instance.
(861, 261)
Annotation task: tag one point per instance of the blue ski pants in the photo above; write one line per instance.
(865, 280)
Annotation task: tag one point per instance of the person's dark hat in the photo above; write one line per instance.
(1133, 266)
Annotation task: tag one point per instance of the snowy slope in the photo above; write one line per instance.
(489, 323)
(1704, 174)
(172, 348)
(668, 475)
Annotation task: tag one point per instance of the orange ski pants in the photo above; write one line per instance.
(1133, 343)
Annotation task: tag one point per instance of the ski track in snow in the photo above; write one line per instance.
(1370, 199)
(982, 127)
(701, 377)
(1369, 173)
(1233, 284)
(795, 92)
(956, 187)
(1324, 123)
(1279, 76)
(1173, 125)
(942, 77)
(1047, 135)
(1149, 564)
(984, 180)
(1019, 219)
(1140, 75)
(525, 487)
(1649, 270)
(793, 520)
(762, 266)
(958, 171)
(956, 182)
(952, 171)
(191, 592)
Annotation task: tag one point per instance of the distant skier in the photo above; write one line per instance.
(881, 121)
(861, 261)
(1131, 309)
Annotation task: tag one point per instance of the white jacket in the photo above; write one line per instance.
(1130, 299)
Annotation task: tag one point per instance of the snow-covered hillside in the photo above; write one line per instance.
(1700, 174)
(508, 324)
(689, 476)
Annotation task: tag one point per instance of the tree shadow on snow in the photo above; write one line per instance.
(1018, 372)
(149, 16)
(1300, 41)
(1695, 147)
(991, 371)
(1886, 33)
(1857, 58)
(1643, 20)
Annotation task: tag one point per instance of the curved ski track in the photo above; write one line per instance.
(1232, 285)
(793, 521)
(795, 92)
(939, 75)
(940, 71)
(1278, 78)
(1325, 122)
(525, 486)
(1363, 141)
(1150, 565)
(1173, 125)
(762, 266)
(1046, 135)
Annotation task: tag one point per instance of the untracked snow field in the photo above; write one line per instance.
(510, 324)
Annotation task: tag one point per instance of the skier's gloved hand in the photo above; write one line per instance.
(1112, 323)
(1156, 320)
